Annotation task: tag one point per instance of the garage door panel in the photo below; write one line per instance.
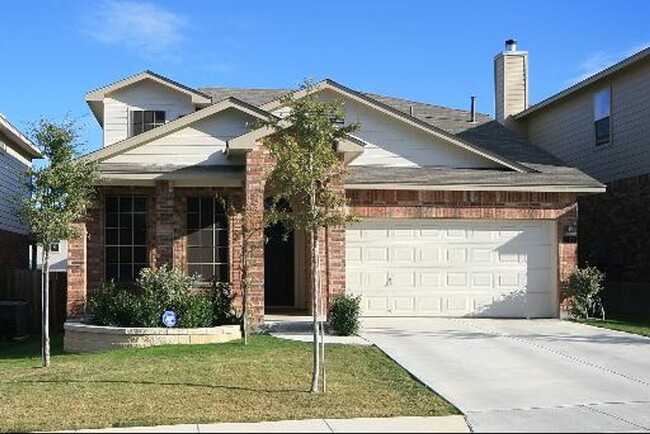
(452, 267)
(457, 305)
(456, 255)
(430, 278)
(374, 279)
(376, 305)
(403, 305)
(403, 254)
(429, 254)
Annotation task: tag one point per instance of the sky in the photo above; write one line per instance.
(53, 52)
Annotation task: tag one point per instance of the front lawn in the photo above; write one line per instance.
(267, 380)
(639, 326)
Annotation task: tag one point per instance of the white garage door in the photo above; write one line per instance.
(503, 268)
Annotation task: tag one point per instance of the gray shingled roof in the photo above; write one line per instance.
(485, 132)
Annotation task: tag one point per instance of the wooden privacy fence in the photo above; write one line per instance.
(26, 285)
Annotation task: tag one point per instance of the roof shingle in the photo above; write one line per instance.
(484, 132)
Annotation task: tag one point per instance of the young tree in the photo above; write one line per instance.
(58, 195)
(305, 174)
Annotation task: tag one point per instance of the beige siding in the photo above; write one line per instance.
(392, 143)
(202, 143)
(511, 84)
(12, 171)
(566, 128)
(144, 95)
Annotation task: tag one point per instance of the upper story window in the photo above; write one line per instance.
(602, 108)
(145, 120)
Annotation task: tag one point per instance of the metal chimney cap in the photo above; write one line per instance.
(511, 45)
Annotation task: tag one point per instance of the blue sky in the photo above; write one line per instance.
(53, 52)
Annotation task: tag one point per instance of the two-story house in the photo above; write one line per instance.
(16, 155)
(600, 125)
(460, 216)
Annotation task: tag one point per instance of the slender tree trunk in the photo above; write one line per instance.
(322, 353)
(315, 308)
(45, 309)
(244, 285)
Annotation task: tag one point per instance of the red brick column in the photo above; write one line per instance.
(567, 255)
(335, 280)
(254, 182)
(77, 268)
(335, 263)
(164, 224)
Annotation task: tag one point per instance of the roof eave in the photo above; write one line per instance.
(19, 139)
(625, 63)
(171, 127)
(591, 189)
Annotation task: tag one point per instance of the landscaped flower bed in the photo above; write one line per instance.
(87, 338)
(132, 316)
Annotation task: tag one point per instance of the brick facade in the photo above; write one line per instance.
(167, 240)
(560, 207)
(614, 235)
(14, 250)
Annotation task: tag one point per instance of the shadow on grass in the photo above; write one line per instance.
(158, 383)
(30, 347)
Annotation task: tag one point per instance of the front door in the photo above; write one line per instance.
(279, 290)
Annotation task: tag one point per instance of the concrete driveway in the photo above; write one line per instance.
(525, 375)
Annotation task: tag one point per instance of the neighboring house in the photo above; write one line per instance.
(601, 125)
(461, 217)
(16, 155)
(58, 257)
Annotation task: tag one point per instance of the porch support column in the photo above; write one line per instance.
(164, 224)
(77, 279)
(254, 182)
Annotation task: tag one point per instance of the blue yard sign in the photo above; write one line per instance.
(169, 318)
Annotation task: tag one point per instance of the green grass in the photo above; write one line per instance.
(638, 326)
(266, 380)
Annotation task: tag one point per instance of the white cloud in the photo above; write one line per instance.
(140, 26)
(600, 60)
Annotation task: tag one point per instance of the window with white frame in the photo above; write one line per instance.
(602, 109)
(145, 120)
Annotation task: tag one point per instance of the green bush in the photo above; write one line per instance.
(223, 312)
(344, 315)
(158, 290)
(584, 287)
(111, 306)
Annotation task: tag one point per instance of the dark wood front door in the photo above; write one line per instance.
(278, 267)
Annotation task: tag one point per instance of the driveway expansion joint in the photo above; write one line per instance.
(550, 350)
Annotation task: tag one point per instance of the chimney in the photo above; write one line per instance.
(510, 81)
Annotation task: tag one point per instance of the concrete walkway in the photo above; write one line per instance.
(518, 375)
(394, 424)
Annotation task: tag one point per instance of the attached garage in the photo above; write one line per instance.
(447, 267)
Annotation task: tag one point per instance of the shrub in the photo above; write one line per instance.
(158, 290)
(223, 312)
(584, 287)
(111, 306)
(344, 315)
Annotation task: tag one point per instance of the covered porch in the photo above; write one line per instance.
(194, 222)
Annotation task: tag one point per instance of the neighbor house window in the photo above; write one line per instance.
(145, 120)
(207, 238)
(54, 247)
(126, 237)
(602, 106)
